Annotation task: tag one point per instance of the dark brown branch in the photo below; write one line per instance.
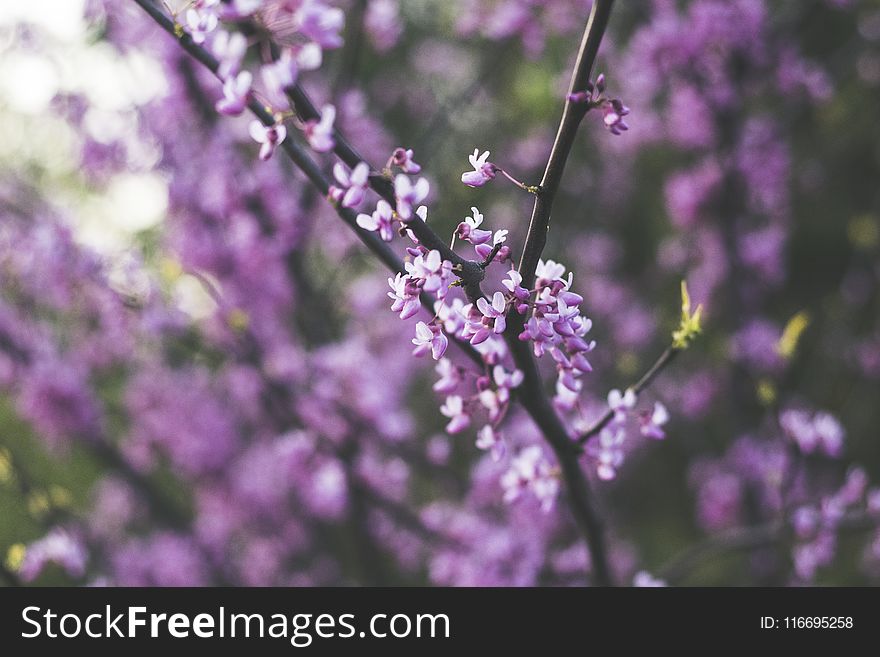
(659, 365)
(304, 162)
(572, 116)
(533, 398)
(531, 393)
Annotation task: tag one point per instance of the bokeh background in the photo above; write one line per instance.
(201, 382)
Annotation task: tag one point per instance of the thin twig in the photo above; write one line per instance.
(303, 160)
(572, 116)
(532, 394)
(659, 365)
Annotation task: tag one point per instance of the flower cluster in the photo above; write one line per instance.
(816, 526)
(613, 109)
(554, 324)
(607, 449)
(817, 433)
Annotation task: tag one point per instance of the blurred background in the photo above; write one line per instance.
(201, 382)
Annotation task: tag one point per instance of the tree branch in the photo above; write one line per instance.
(532, 394)
(534, 400)
(572, 116)
(304, 162)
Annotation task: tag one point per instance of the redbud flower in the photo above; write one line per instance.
(320, 23)
(229, 48)
(429, 338)
(454, 409)
(403, 159)
(468, 229)
(280, 74)
(530, 470)
(644, 579)
(235, 94)
(409, 195)
(382, 220)
(200, 22)
(236, 9)
(483, 250)
(58, 546)
(491, 440)
(355, 183)
(405, 292)
(620, 403)
(319, 134)
(512, 283)
(450, 313)
(614, 111)
(608, 451)
(483, 172)
(652, 423)
(450, 376)
(268, 136)
(433, 271)
(493, 314)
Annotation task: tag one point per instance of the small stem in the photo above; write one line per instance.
(531, 189)
(491, 256)
(659, 365)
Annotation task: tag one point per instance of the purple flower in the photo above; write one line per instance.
(404, 159)
(483, 250)
(450, 313)
(821, 432)
(409, 195)
(512, 283)
(644, 579)
(433, 271)
(530, 470)
(58, 546)
(200, 23)
(620, 403)
(268, 136)
(454, 409)
(237, 9)
(614, 111)
(652, 423)
(280, 74)
(405, 292)
(469, 229)
(490, 440)
(429, 338)
(229, 48)
(607, 449)
(493, 319)
(319, 133)
(235, 94)
(483, 172)
(355, 183)
(382, 220)
(320, 23)
(450, 376)
(507, 380)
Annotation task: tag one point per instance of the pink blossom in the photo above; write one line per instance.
(454, 409)
(483, 172)
(409, 195)
(429, 338)
(236, 91)
(319, 133)
(268, 136)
